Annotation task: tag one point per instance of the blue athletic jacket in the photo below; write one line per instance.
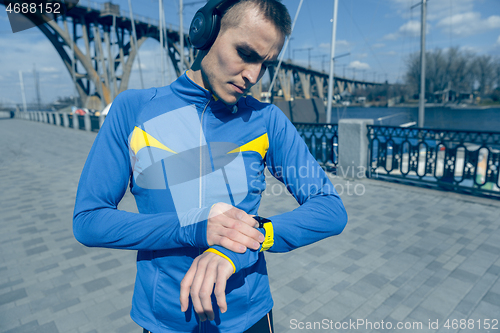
(182, 151)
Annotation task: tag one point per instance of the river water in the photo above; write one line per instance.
(486, 119)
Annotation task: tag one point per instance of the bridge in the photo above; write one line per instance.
(96, 43)
(297, 81)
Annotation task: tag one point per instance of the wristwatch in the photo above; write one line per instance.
(261, 220)
(268, 227)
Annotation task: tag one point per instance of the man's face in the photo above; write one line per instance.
(239, 57)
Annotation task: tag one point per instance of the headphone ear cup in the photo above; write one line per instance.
(204, 29)
(197, 29)
(214, 31)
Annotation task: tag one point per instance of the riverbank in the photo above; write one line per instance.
(437, 117)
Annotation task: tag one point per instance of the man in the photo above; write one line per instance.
(194, 153)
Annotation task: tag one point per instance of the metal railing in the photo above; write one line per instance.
(462, 161)
(86, 122)
(322, 141)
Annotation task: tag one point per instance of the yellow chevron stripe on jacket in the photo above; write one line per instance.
(259, 145)
(141, 139)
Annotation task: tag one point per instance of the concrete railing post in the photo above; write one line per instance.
(58, 118)
(353, 148)
(65, 120)
(86, 120)
(76, 122)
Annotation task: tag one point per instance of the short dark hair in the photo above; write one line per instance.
(271, 10)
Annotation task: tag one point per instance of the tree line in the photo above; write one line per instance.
(462, 72)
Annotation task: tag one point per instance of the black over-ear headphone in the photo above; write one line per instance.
(206, 23)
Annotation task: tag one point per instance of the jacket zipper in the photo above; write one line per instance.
(201, 178)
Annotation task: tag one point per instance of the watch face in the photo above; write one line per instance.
(261, 220)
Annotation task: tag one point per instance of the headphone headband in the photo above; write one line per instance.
(206, 23)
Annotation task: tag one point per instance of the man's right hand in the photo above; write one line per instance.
(232, 228)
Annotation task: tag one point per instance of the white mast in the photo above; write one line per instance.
(421, 102)
(161, 44)
(276, 70)
(22, 90)
(136, 46)
(332, 64)
(181, 36)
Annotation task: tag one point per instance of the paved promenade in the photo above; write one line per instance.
(407, 255)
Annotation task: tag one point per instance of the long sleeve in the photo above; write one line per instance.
(321, 213)
(103, 182)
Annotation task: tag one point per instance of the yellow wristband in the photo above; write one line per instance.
(223, 256)
(269, 241)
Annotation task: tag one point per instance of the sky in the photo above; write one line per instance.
(377, 35)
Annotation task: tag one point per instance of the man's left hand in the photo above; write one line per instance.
(205, 271)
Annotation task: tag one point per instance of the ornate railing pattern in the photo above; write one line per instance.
(454, 160)
(322, 141)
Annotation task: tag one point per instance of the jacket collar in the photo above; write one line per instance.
(193, 93)
(190, 91)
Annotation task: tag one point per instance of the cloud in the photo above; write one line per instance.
(342, 43)
(410, 28)
(389, 53)
(468, 24)
(359, 65)
(392, 36)
(498, 41)
(471, 49)
(378, 45)
(48, 70)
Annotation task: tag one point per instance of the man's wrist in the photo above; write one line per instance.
(217, 252)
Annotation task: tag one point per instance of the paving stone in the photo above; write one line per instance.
(110, 264)
(12, 296)
(492, 298)
(32, 326)
(465, 307)
(351, 269)
(301, 284)
(67, 323)
(489, 248)
(65, 305)
(96, 284)
(11, 283)
(119, 314)
(46, 268)
(354, 254)
(462, 275)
